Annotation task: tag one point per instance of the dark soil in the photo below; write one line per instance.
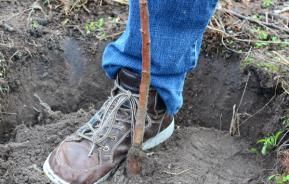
(56, 83)
(198, 155)
(192, 155)
(217, 84)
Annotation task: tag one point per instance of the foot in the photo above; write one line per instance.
(96, 149)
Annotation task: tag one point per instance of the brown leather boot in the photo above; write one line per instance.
(96, 149)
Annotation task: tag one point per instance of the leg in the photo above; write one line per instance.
(177, 29)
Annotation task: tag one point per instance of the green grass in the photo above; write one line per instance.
(263, 36)
(279, 179)
(266, 40)
(267, 3)
(102, 27)
(34, 25)
(285, 121)
(271, 67)
(94, 26)
(97, 28)
(268, 66)
(269, 143)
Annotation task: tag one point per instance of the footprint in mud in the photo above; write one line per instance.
(75, 59)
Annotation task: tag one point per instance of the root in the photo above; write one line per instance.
(47, 109)
(261, 23)
(262, 108)
(124, 2)
(176, 173)
(235, 122)
(233, 28)
(43, 104)
(8, 113)
(12, 145)
(69, 6)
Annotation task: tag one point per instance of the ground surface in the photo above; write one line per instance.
(55, 84)
(192, 155)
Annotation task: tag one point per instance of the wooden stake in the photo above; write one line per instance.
(135, 153)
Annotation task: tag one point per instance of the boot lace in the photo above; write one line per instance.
(99, 127)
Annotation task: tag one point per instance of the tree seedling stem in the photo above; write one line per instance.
(135, 154)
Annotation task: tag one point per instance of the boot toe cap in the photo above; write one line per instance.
(70, 162)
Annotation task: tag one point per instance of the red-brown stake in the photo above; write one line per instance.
(135, 153)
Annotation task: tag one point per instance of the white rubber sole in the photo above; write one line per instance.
(160, 137)
(150, 143)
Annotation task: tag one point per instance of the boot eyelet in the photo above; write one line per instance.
(105, 148)
(113, 138)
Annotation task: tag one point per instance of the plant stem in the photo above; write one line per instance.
(145, 78)
(134, 160)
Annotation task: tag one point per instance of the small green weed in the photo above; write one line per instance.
(266, 65)
(263, 36)
(267, 3)
(270, 142)
(258, 17)
(101, 27)
(279, 179)
(34, 25)
(270, 67)
(254, 151)
(94, 26)
(261, 44)
(265, 39)
(248, 61)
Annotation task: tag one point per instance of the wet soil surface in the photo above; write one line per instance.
(56, 83)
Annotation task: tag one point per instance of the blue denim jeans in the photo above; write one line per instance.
(177, 28)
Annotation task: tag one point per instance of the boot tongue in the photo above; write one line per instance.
(129, 80)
